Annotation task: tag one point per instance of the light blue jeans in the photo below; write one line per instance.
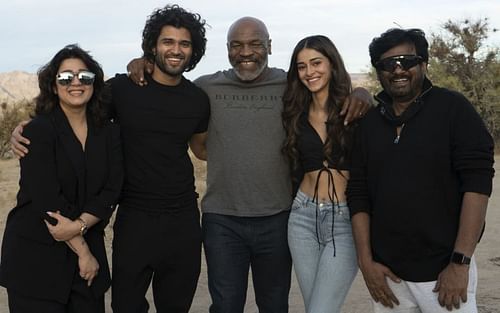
(324, 279)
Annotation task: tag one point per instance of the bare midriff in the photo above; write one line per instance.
(340, 178)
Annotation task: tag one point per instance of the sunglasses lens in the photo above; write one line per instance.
(388, 65)
(406, 62)
(409, 62)
(65, 78)
(86, 77)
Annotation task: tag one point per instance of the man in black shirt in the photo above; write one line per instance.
(157, 232)
(422, 168)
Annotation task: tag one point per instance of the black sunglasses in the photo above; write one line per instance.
(85, 77)
(404, 61)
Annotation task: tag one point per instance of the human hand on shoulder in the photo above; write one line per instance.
(18, 142)
(356, 105)
(136, 69)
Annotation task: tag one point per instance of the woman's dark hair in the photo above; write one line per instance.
(47, 99)
(396, 36)
(297, 98)
(173, 15)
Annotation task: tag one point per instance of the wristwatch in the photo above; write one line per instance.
(459, 258)
(83, 226)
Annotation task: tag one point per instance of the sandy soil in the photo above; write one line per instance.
(358, 301)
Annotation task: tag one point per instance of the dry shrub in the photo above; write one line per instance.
(10, 116)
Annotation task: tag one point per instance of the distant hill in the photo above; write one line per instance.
(17, 86)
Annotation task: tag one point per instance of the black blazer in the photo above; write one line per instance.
(58, 175)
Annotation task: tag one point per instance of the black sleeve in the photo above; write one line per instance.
(357, 186)
(472, 149)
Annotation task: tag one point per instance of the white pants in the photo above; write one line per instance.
(419, 297)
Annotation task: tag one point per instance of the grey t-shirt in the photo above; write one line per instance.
(247, 175)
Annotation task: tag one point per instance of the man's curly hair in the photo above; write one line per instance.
(173, 15)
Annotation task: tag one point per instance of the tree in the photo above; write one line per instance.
(372, 84)
(460, 60)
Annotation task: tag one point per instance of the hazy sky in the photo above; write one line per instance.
(32, 31)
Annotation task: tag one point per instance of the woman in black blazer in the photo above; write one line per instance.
(53, 253)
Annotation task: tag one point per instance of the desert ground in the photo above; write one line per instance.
(358, 301)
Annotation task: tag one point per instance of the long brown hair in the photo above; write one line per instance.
(297, 97)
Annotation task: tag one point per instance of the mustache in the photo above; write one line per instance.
(241, 60)
(175, 55)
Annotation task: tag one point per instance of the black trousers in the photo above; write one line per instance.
(81, 300)
(164, 248)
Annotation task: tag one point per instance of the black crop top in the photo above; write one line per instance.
(310, 148)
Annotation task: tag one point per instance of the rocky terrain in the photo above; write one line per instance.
(17, 86)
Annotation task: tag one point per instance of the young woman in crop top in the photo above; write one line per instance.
(317, 144)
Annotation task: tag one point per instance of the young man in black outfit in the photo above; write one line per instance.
(422, 169)
(157, 232)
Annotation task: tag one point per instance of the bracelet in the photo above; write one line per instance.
(83, 226)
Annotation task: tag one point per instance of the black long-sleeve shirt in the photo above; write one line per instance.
(412, 186)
